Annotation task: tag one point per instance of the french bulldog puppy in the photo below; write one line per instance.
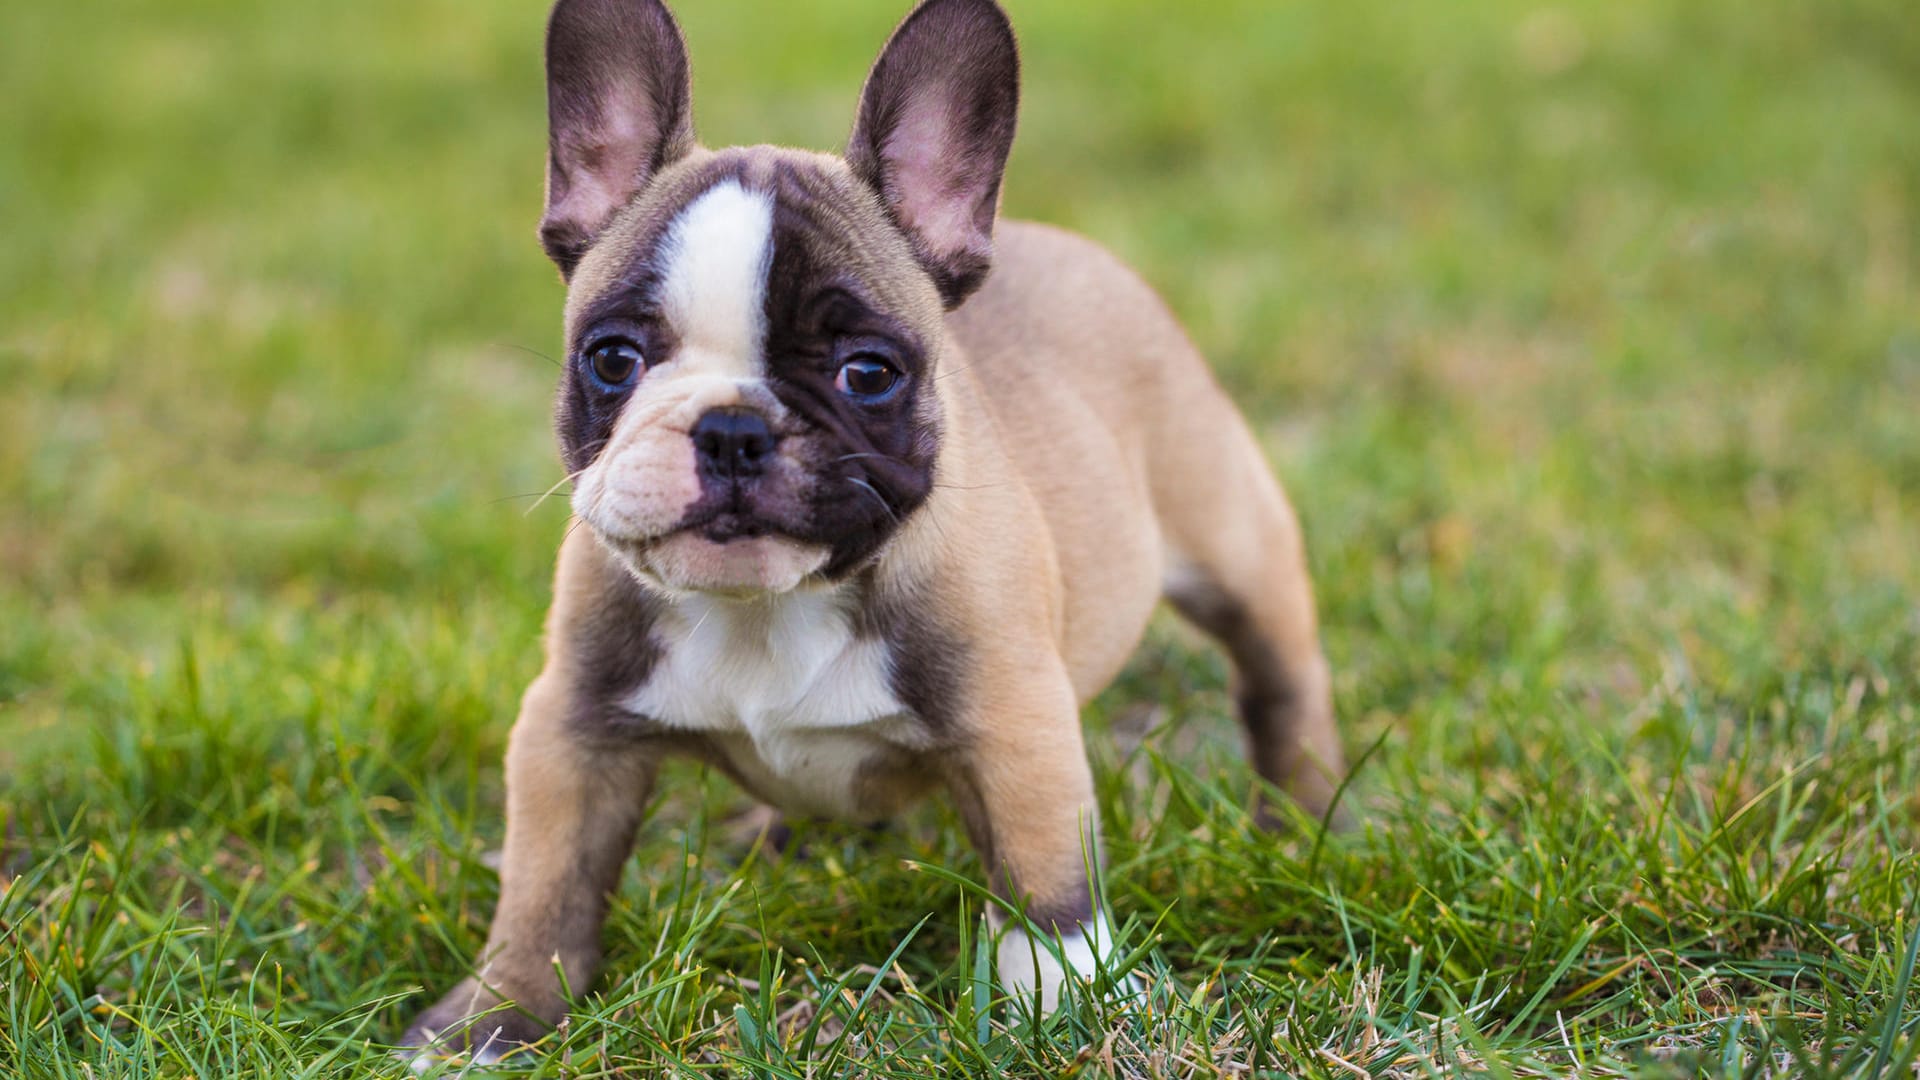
(862, 519)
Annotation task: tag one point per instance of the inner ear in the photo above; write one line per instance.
(619, 108)
(935, 126)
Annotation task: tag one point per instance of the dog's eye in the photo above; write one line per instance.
(614, 362)
(866, 376)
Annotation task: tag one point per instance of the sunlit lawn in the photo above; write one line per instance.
(1586, 337)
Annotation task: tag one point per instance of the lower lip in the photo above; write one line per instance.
(733, 527)
(689, 559)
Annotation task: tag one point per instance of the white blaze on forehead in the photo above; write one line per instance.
(716, 257)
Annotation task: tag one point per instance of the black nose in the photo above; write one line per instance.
(732, 442)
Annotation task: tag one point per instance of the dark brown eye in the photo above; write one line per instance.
(614, 362)
(866, 377)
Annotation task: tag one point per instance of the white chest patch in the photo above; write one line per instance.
(794, 698)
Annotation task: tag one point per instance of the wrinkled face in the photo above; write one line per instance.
(749, 398)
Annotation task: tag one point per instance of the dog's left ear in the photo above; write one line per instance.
(935, 126)
(619, 108)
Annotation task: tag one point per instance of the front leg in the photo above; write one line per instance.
(1026, 792)
(572, 808)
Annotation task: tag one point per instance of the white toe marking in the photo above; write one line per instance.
(1025, 963)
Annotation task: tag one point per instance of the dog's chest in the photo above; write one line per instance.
(797, 703)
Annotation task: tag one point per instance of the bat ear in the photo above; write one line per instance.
(619, 108)
(935, 126)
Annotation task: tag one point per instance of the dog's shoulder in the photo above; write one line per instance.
(1056, 300)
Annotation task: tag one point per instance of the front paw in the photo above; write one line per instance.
(1029, 965)
(474, 1020)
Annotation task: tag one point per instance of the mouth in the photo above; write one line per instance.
(723, 524)
(727, 554)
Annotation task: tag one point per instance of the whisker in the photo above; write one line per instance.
(529, 350)
(967, 487)
(567, 479)
(932, 514)
(877, 497)
(698, 623)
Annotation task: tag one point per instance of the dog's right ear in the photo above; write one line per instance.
(619, 107)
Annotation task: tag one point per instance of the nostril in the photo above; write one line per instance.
(732, 440)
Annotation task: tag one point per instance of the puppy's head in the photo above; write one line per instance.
(753, 334)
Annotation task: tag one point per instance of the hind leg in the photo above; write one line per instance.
(1238, 571)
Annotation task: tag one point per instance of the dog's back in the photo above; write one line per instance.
(1098, 390)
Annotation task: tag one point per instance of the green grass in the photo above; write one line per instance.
(1587, 339)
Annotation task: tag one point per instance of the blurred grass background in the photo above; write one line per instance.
(1586, 336)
